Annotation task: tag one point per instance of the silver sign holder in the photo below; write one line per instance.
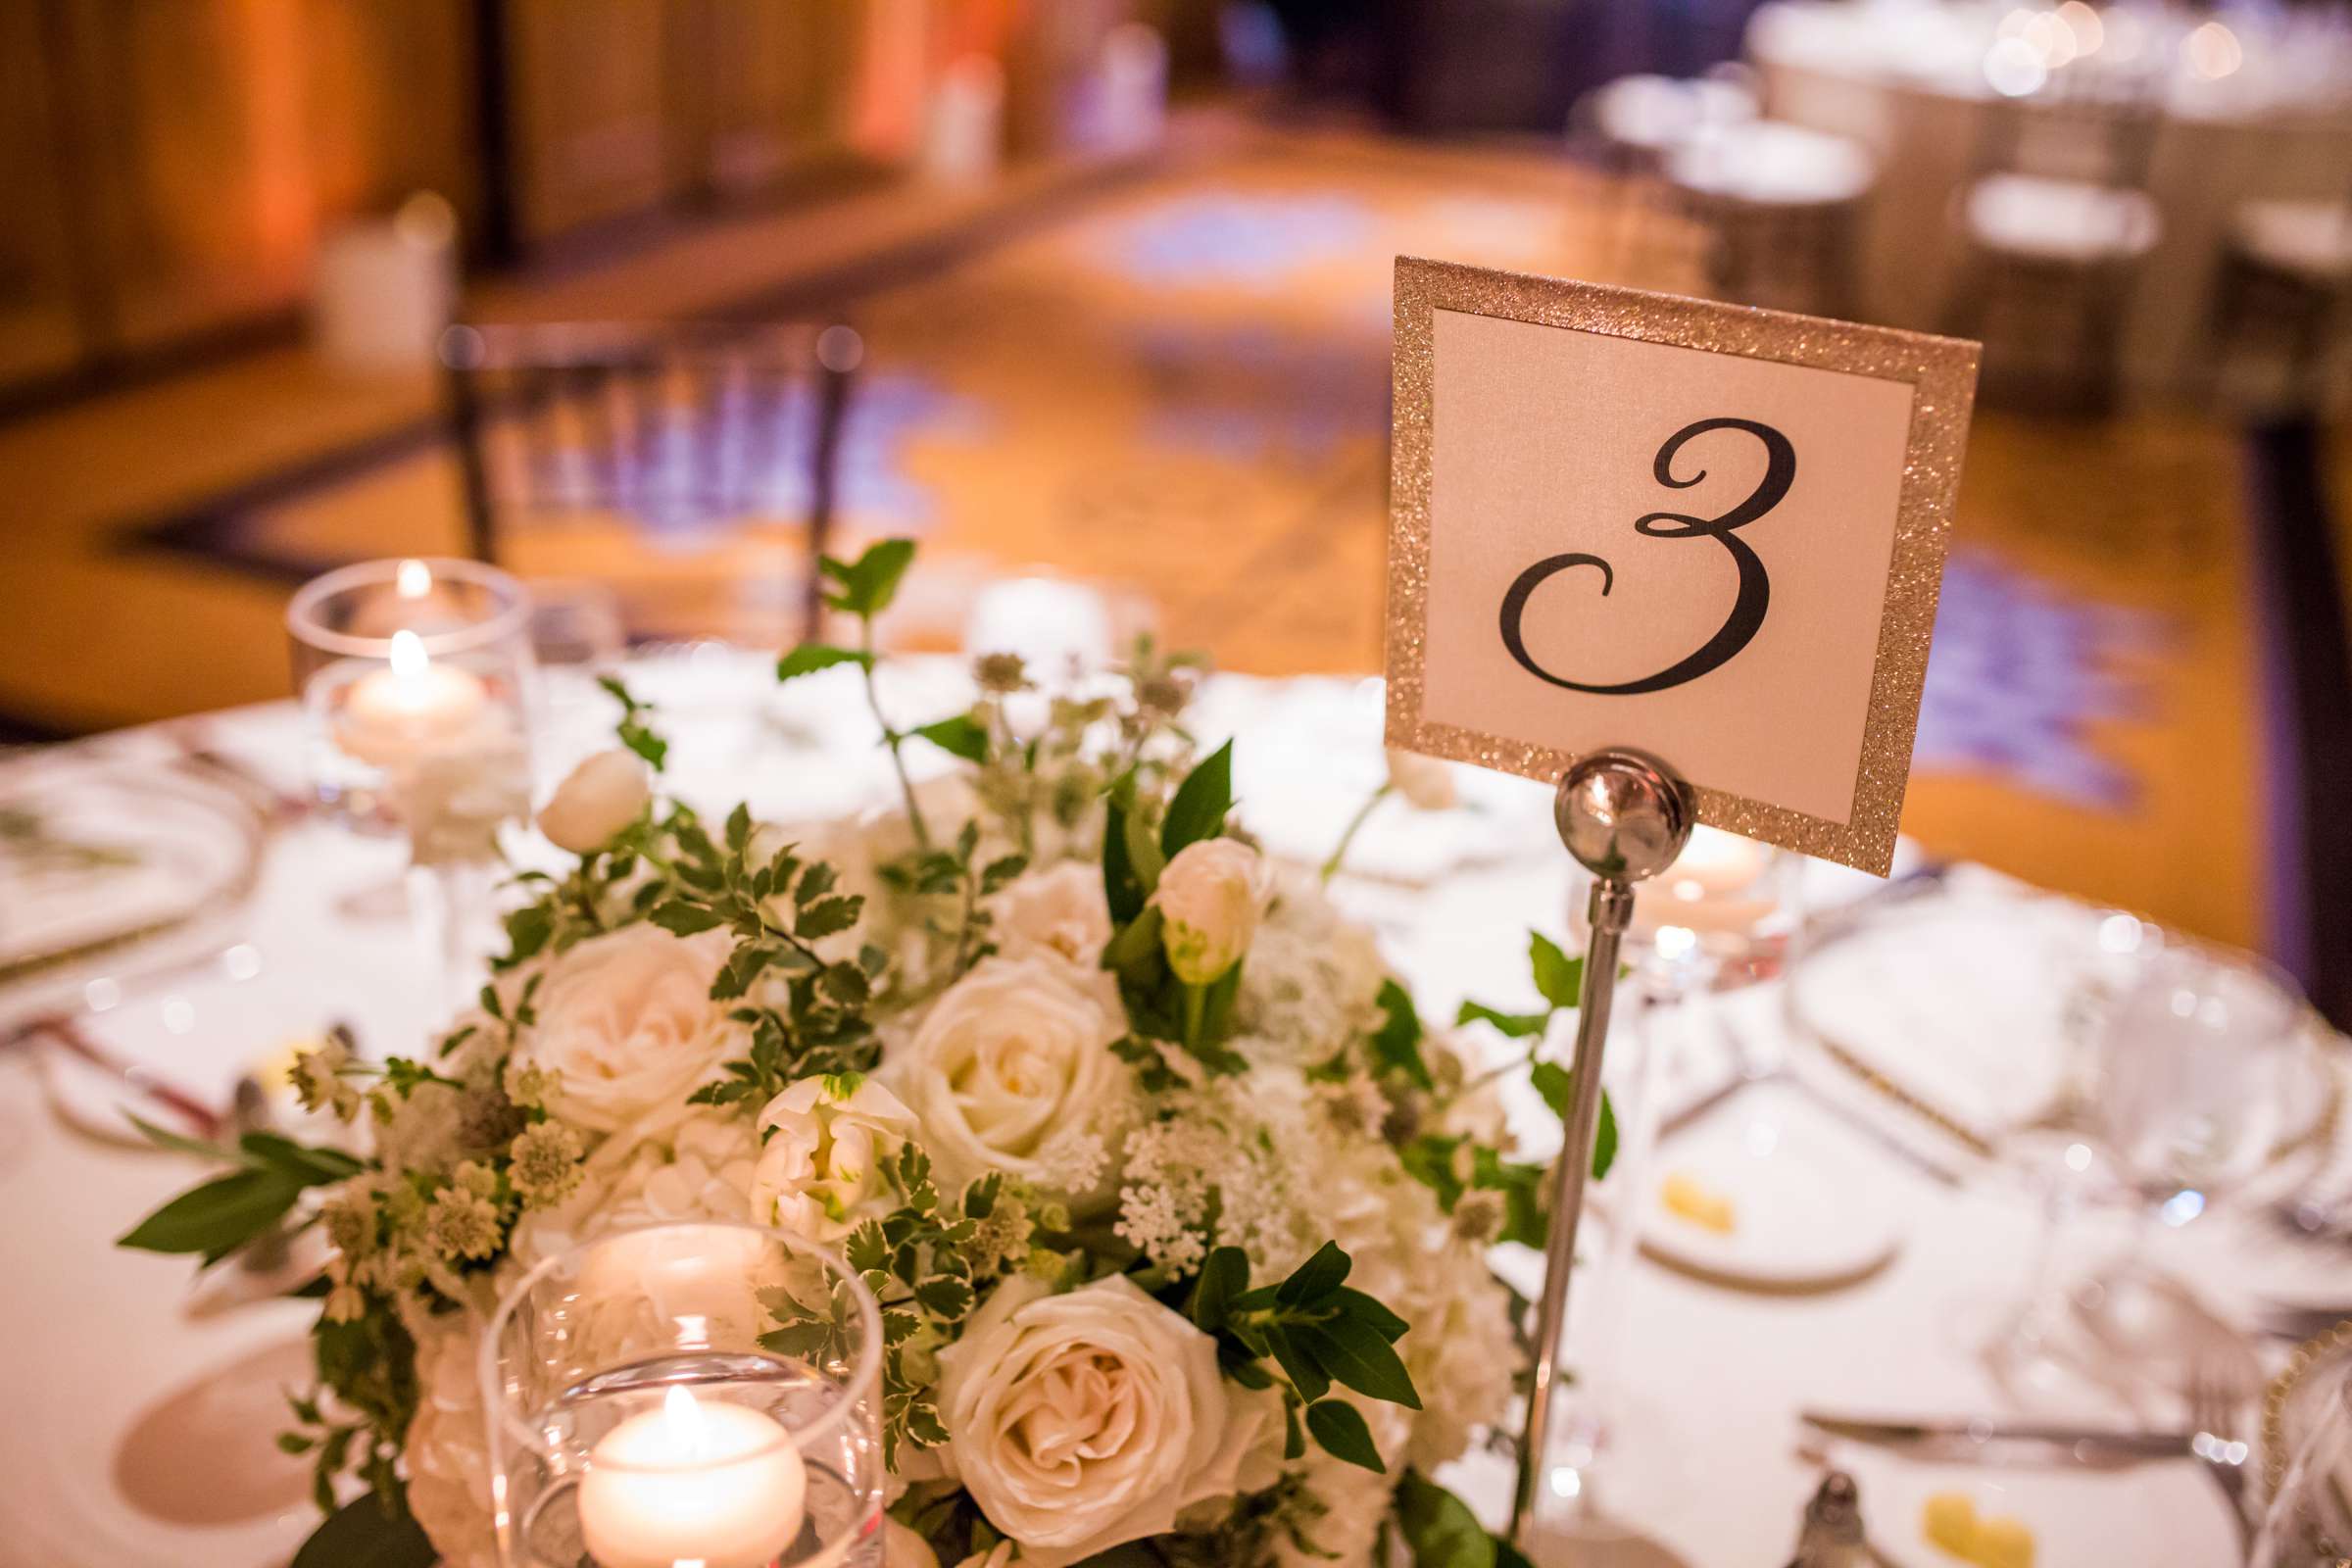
(1625, 815)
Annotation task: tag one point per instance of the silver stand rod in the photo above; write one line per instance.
(1625, 817)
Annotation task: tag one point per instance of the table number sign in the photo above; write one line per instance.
(1711, 533)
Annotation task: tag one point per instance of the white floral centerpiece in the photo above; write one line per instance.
(1177, 1214)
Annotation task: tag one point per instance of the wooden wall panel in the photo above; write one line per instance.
(42, 332)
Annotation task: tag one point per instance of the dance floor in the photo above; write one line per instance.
(1174, 383)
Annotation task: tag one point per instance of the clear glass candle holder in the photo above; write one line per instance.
(686, 1394)
(416, 678)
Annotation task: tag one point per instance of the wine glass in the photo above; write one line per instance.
(2306, 1522)
(1724, 900)
(418, 681)
(2198, 1075)
(698, 1393)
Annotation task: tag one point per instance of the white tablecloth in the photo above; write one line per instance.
(97, 1338)
(1907, 80)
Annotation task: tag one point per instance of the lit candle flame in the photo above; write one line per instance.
(413, 579)
(685, 1421)
(409, 657)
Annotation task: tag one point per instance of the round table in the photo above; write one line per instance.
(1908, 80)
(103, 1342)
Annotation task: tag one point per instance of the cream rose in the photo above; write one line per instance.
(822, 1167)
(1083, 1420)
(902, 1547)
(1211, 896)
(596, 799)
(1060, 913)
(626, 1025)
(1013, 1071)
(1425, 782)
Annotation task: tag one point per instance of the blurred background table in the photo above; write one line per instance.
(2260, 108)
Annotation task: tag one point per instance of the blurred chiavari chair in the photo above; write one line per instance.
(693, 468)
(1783, 208)
(2284, 282)
(2057, 218)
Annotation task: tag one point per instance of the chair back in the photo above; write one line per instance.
(693, 466)
(2088, 122)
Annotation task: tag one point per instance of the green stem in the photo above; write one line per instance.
(1196, 1007)
(1339, 854)
(890, 735)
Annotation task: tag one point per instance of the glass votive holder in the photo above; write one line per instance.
(700, 1393)
(1725, 899)
(416, 677)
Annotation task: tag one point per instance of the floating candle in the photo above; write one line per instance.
(392, 716)
(717, 1484)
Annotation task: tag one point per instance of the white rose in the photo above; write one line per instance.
(596, 799)
(902, 1547)
(1059, 912)
(1425, 782)
(1013, 1071)
(1080, 1421)
(1211, 896)
(626, 1025)
(447, 1451)
(822, 1168)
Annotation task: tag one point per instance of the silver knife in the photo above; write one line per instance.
(1969, 1440)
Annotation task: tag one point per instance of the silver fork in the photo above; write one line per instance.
(2213, 1406)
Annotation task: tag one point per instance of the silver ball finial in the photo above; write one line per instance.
(1622, 813)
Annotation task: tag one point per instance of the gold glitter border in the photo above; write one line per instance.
(1942, 374)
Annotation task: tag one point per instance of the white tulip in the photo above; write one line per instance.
(823, 1167)
(596, 801)
(1211, 897)
(1425, 782)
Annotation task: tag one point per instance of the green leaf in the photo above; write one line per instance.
(810, 657)
(684, 920)
(1558, 976)
(1397, 1043)
(1370, 1311)
(959, 735)
(1556, 1084)
(1439, 1527)
(871, 581)
(1517, 1025)
(1201, 800)
(828, 915)
(367, 1531)
(299, 1163)
(218, 1153)
(948, 1298)
(1298, 1362)
(217, 1217)
(1123, 887)
(1316, 1278)
(1355, 1354)
(1223, 1276)
(1339, 1428)
(527, 931)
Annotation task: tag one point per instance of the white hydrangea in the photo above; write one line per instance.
(1311, 981)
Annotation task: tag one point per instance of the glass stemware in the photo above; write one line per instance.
(1726, 901)
(2306, 1522)
(417, 682)
(2195, 1081)
(700, 1393)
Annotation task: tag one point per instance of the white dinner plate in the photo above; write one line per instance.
(2081, 1518)
(1803, 1216)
